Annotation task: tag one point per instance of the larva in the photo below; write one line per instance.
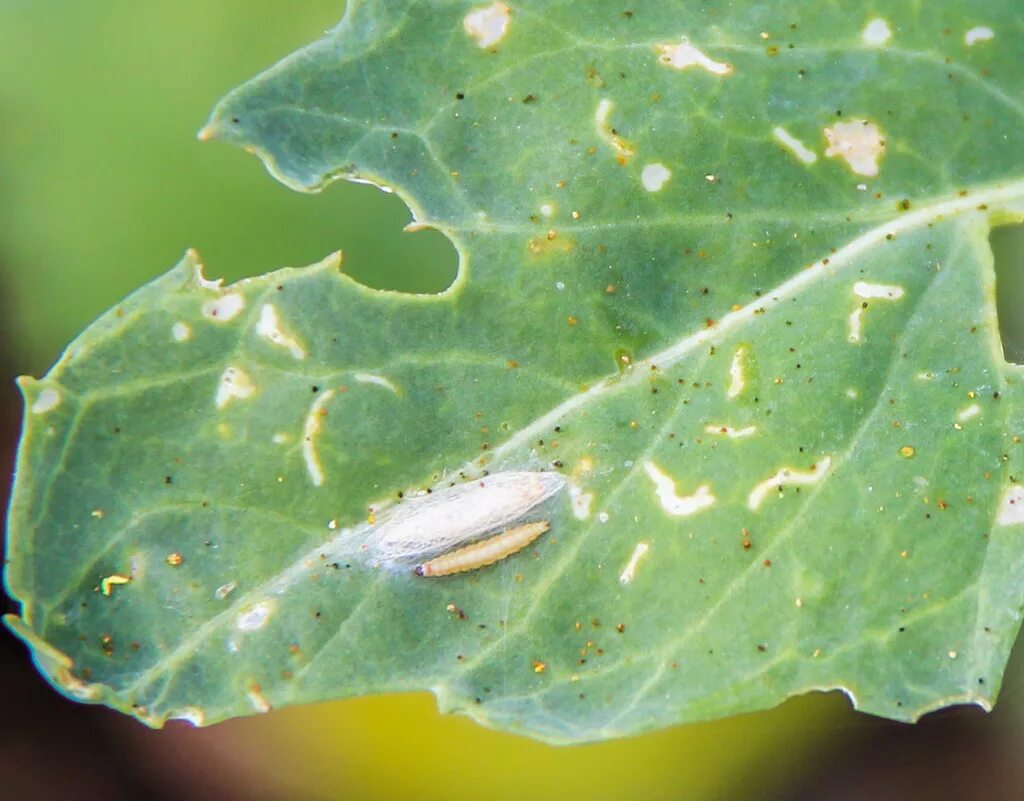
(483, 553)
(419, 529)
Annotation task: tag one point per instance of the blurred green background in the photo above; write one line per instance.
(102, 187)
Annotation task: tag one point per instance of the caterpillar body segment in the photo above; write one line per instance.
(483, 553)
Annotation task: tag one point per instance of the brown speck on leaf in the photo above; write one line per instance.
(539, 667)
(452, 609)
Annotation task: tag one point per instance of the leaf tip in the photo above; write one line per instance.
(191, 269)
(26, 385)
(332, 263)
(207, 132)
(217, 127)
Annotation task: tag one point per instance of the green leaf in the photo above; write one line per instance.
(725, 291)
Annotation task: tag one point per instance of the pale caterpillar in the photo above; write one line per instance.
(483, 553)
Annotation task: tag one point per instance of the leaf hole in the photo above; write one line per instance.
(1007, 243)
(283, 227)
(379, 254)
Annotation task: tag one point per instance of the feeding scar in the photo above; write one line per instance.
(787, 475)
(863, 289)
(269, 327)
(309, 431)
(629, 571)
(736, 373)
(803, 154)
(676, 505)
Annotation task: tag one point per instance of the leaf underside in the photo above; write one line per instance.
(724, 270)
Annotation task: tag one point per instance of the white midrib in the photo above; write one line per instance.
(982, 202)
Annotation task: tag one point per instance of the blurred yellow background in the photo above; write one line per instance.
(102, 187)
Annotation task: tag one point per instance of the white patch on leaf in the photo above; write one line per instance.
(1011, 508)
(624, 150)
(729, 431)
(683, 55)
(785, 477)
(269, 327)
(204, 282)
(488, 25)
(673, 503)
(971, 411)
(224, 308)
(859, 143)
(863, 289)
(234, 383)
(655, 176)
(47, 400)
(736, 382)
(629, 571)
(376, 380)
(876, 33)
(181, 331)
(978, 34)
(253, 618)
(310, 429)
(803, 153)
(580, 502)
(224, 590)
(855, 324)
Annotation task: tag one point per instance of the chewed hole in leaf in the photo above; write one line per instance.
(421, 261)
(1008, 248)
